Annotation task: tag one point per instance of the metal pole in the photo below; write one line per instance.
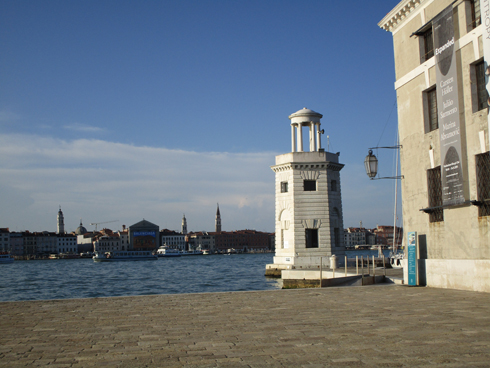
(321, 271)
(367, 259)
(384, 266)
(357, 265)
(345, 266)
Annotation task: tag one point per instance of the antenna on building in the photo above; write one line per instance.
(328, 143)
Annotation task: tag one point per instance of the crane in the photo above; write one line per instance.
(99, 223)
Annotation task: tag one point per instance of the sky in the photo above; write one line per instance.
(119, 111)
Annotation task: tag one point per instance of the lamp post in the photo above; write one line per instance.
(371, 164)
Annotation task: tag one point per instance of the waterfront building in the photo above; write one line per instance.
(4, 239)
(308, 204)
(124, 236)
(144, 235)
(107, 241)
(201, 240)
(61, 223)
(441, 54)
(66, 243)
(172, 239)
(217, 222)
(242, 241)
(16, 244)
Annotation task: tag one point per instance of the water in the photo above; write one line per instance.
(84, 278)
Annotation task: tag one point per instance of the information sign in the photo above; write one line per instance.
(412, 258)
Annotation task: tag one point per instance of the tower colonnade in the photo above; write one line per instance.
(313, 123)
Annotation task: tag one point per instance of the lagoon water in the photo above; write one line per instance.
(84, 278)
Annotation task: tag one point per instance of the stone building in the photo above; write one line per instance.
(440, 67)
(308, 214)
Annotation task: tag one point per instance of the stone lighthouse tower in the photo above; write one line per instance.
(308, 216)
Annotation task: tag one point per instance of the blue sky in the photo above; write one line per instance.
(123, 110)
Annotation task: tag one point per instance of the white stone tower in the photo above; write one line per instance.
(184, 226)
(309, 224)
(217, 222)
(61, 222)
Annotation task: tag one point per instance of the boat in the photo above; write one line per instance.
(191, 253)
(5, 257)
(165, 251)
(124, 255)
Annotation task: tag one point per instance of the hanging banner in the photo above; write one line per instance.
(448, 108)
(485, 19)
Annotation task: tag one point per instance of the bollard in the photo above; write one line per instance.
(374, 272)
(362, 269)
(357, 265)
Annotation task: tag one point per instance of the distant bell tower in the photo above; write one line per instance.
(184, 226)
(217, 222)
(308, 215)
(61, 222)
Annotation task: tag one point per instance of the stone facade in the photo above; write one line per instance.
(309, 223)
(454, 243)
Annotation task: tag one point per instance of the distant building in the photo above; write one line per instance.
(241, 240)
(17, 244)
(107, 241)
(172, 239)
(66, 243)
(4, 239)
(217, 222)
(144, 235)
(61, 223)
(184, 226)
(201, 240)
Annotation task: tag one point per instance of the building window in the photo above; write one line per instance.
(309, 185)
(311, 238)
(483, 183)
(333, 185)
(434, 186)
(284, 187)
(481, 90)
(428, 45)
(475, 14)
(430, 110)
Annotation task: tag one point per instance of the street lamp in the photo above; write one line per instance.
(371, 164)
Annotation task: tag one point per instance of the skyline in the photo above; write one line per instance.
(124, 110)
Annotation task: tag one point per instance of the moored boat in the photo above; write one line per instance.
(164, 251)
(5, 257)
(128, 255)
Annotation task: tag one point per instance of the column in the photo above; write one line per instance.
(318, 137)
(300, 137)
(312, 137)
(293, 138)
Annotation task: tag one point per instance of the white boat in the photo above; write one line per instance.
(6, 258)
(164, 251)
(124, 255)
(191, 253)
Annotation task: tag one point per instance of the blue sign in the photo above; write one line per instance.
(412, 258)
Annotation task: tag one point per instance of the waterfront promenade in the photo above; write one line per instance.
(370, 326)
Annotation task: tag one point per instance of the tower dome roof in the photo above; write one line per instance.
(81, 229)
(305, 115)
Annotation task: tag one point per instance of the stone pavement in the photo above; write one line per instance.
(370, 326)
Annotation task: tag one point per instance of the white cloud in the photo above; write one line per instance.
(82, 128)
(101, 181)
